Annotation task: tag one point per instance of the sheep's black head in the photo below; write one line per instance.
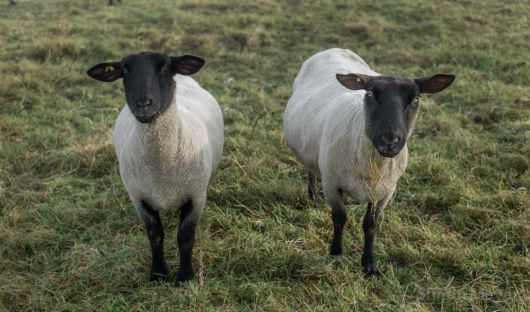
(147, 80)
(391, 106)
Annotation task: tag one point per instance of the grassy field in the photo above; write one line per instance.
(456, 238)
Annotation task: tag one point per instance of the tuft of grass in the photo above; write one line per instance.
(455, 238)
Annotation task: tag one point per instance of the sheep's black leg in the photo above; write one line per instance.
(185, 239)
(369, 226)
(339, 216)
(312, 186)
(155, 233)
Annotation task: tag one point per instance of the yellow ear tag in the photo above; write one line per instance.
(109, 68)
(358, 79)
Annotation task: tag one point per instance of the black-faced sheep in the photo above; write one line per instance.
(169, 140)
(353, 138)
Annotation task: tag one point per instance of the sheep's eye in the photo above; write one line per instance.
(125, 70)
(415, 101)
(369, 93)
(165, 68)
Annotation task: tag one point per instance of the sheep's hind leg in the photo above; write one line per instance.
(155, 233)
(312, 187)
(339, 217)
(189, 214)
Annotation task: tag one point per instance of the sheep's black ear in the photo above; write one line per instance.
(435, 83)
(186, 64)
(106, 72)
(354, 81)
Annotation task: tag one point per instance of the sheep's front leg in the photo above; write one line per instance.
(369, 227)
(185, 238)
(373, 211)
(155, 233)
(339, 217)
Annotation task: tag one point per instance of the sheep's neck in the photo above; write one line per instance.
(374, 159)
(163, 137)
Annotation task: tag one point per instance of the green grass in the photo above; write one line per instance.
(456, 237)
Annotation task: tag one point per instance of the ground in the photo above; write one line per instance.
(455, 238)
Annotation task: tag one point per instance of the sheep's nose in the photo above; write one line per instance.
(390, 138)
(144, 102)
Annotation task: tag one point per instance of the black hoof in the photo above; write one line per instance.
(369, 266)
(370, 271)
(159, 274)
(336, 250)
(184, 276)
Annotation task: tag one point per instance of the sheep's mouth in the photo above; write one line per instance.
(388, 153)
(147, 119)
